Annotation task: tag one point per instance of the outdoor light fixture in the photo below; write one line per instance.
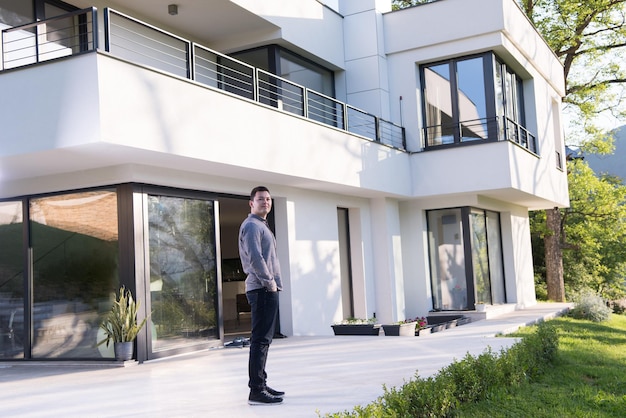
(172, 9)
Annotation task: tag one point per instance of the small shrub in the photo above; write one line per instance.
(467, 384)
(590, 306)
(429, 398)
(468, 380)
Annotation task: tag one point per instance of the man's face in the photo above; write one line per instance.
(261, 205)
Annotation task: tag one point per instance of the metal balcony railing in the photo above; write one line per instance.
(484, 130)
(140, 43)
(69, 34)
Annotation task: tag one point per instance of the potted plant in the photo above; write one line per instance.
(356, 326)
(480, 306)
(120, 325)
(404, 328)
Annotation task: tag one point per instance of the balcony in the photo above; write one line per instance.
(499, 128)
(140, 43)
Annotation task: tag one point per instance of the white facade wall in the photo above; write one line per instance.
(103, 121)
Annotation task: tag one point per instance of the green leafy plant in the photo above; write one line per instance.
(357, 321)
(120, 325)
(591, 306)
(422, 322)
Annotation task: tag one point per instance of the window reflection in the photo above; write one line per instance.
(480, 259)
(438, 105)
(474, 99)
(447, 259)
(452, 283)
(75, 259)
(11, 281)
(183, 284)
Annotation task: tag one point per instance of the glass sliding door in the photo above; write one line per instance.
(74, 240)
(345, 262)
(447, 259)
(466, 263)
(480, 256)
(496, 266)
(11, 280)
(183, 275)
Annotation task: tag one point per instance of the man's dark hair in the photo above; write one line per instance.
(258, 189)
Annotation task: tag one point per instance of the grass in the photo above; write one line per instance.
(588, 378)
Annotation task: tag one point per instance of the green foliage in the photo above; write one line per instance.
(589, 39)
(594, 230)
(403, 4)
(591, 306)
(586, 380)
(465, 381)
(357, 321)
(120, 324)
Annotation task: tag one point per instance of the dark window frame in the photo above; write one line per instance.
(497, 114)
(274, 54)
(468, 263)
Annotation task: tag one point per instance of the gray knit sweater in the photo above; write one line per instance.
(257, 250)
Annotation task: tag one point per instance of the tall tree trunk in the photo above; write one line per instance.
(554, 256)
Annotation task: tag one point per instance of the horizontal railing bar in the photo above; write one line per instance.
(130, 40)
(52, 19)
(152, 58)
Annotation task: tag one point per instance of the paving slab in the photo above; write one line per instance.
(320, 375)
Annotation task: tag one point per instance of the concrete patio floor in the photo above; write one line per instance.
(320, 375)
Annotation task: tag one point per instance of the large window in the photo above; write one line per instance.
(74, 240)
(465, 258)
(473, 99)
(11, 280)
(290, 66)
(64, 256)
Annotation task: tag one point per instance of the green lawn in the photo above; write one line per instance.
(588, 378)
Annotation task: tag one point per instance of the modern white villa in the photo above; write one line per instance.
(403, 149)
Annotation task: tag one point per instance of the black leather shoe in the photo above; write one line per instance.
(237, 342)
(263, 398)
(274, 392)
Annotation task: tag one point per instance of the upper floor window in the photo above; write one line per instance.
(470, 99)
(292, 67)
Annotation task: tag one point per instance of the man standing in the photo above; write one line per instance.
(257, 250)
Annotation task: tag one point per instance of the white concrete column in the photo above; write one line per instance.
(518, 258)
(388, 277)
(366, 63)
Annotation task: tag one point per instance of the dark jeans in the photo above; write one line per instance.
(264, 310)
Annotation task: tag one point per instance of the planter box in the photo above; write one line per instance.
(356, 329)
(441, 319)
(464, 320)
(437, 327)
(424, 332)
(400, 330)
(441, 322)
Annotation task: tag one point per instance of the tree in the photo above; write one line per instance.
(592, 232)
(595, 228)
(589, 38)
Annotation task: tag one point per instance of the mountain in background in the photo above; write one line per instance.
(614, 164)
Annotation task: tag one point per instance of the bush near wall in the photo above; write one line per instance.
(466, 380)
